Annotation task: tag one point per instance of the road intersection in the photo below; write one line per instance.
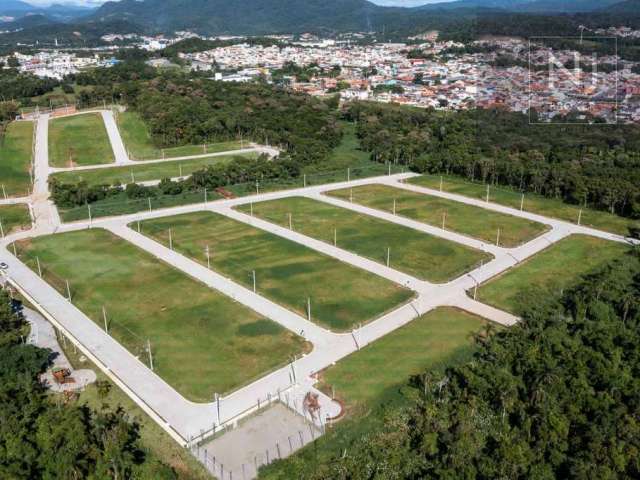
(186, 420)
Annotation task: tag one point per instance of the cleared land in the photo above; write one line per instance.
(416, 253)
(373, 380)
(433, 341)
(468, 220)
(532, 203)
(558, 267)
(286, 272)
(202, 341)
(14, 217)
(145, 172)
(140, 145)
(79, 140)
(15, 159)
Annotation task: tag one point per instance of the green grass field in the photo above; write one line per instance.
(144, 172)
(346, 155)
(372, 375)
(286, 272)
(532, 203)
(79, 140)
(558, 267)
(371, 381)
(416, 253)
(15, 159)
(468, 220)
(14, 217)
(203, 342)
(140, 145)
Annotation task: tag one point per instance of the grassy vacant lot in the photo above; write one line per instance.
(372, 380)
(14, 217)
(202, 341)
(79, 140)
(372, 375)
(143, 173)
(286, 272)
(15, 159)
(468, 220)
(138, 141)
(560, 266)
(413, 252)
(532, 203)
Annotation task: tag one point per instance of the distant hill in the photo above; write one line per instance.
(627, 6)
(526, 6)
(18, 9)
(260, 16)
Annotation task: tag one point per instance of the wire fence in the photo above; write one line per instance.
(129, 206)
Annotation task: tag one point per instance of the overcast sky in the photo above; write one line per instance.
(401, 3)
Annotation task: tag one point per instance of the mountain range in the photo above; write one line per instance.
(256, 17)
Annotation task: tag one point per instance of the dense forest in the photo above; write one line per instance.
(43, 437)
(556, 396)
(597, 165)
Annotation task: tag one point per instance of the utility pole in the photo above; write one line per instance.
(254, 280)
(1, 229)
(351, 195)
(90, 220)
(170, 240)
(68, 290)
(335, 237)
(487, 193)
(440, 182)
(104, 317)
(444, 218)
(208, 257)
(150, 354)
(579, 216)
(522, 202)
(348, 174)
(394, 206)
(388, 255)
(309, 308)
(290, 222)
(498, 238)
(39, 269)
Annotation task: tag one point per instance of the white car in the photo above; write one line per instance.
(3, 266)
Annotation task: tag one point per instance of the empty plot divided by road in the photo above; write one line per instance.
(493, 227)
(530, 202)
(340, 296)
(14, 217)
(201, 341)
(15, 159)
(79, 140)
(559, 266)
(410, 251)
(145, 172)
(141, 146)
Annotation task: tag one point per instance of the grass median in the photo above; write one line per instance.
(79, 140)
(533, 203)
(413, 252)
(288, 273)
(202, 341)
(558, 267)
(15, 159)
(492, 227)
